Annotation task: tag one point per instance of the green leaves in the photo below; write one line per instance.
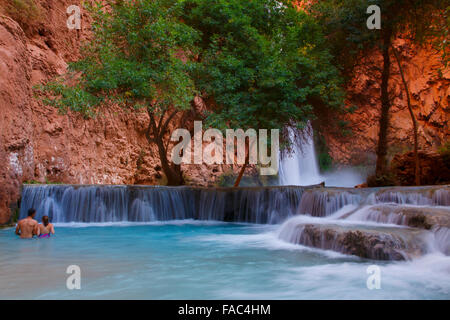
(140, 55)
(344, 24)
(262, 61)
(73, 98)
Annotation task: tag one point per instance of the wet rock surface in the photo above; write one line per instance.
(435, 219)
(362, 241)
(362, 222)
(412, 216)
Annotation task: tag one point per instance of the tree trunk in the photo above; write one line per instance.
(413, 118)
(241, 173)
(172, 171)
(381, 166)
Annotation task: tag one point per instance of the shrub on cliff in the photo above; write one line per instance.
(26, 13)
(444, 151)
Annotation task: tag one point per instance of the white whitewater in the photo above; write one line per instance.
(376, 224)
(301, 168)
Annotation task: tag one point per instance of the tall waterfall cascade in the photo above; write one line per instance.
(300, 167)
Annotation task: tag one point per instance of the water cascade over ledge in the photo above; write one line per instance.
(301, 168)
(392, 223)
(102, 203)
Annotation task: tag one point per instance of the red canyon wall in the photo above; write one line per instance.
(430, 99)
(37, 143)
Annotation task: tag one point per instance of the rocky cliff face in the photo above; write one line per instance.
(430, 99)
(38, 143)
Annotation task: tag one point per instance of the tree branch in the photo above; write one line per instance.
(151, 127)
(161, 119)
(166, 123)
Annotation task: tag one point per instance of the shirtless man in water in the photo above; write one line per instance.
(27, 227)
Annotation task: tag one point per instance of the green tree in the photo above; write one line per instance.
(139, 58)
(262, 64)
(423, 21)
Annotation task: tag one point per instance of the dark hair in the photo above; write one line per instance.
(45, 220)
(31, 212)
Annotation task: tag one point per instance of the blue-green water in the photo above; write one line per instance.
(194, 260)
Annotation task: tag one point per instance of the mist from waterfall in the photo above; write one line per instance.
(300, 167)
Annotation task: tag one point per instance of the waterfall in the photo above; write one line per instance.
(324, 202)
(103, 203)
(300, 168)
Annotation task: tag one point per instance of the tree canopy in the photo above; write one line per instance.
(258, 64)
(135, 58)
(344, 24)
(262, 63)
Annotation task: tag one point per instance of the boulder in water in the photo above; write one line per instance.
(378, 243)
(435, 219)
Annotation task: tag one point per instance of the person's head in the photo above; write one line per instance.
(45, 220)
(31, 212)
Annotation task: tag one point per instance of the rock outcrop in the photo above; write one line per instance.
(429, 85)
(434, 219)
(380, 243)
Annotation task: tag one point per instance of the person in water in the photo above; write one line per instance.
(28, 227)
(45, 228)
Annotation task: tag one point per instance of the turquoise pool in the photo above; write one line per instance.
(201, 260)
